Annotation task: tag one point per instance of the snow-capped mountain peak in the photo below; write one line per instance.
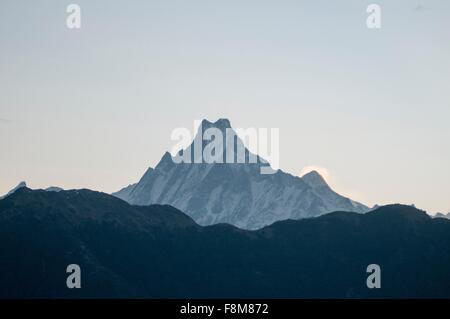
(221, 123)
(234, 193)
(314, 179)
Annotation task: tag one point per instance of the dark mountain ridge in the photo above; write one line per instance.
(159, 252)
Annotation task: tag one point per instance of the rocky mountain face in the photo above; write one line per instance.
(234, 193)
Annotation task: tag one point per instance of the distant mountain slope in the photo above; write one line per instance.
(24, 184)
(440, 215)
(159, 252)
(234, 193)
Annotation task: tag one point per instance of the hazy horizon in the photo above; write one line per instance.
(95, 107)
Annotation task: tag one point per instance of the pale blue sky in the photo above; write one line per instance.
(95, 107)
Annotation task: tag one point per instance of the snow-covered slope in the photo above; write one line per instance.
(237, 194)
(440, 215)
(20, 185)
